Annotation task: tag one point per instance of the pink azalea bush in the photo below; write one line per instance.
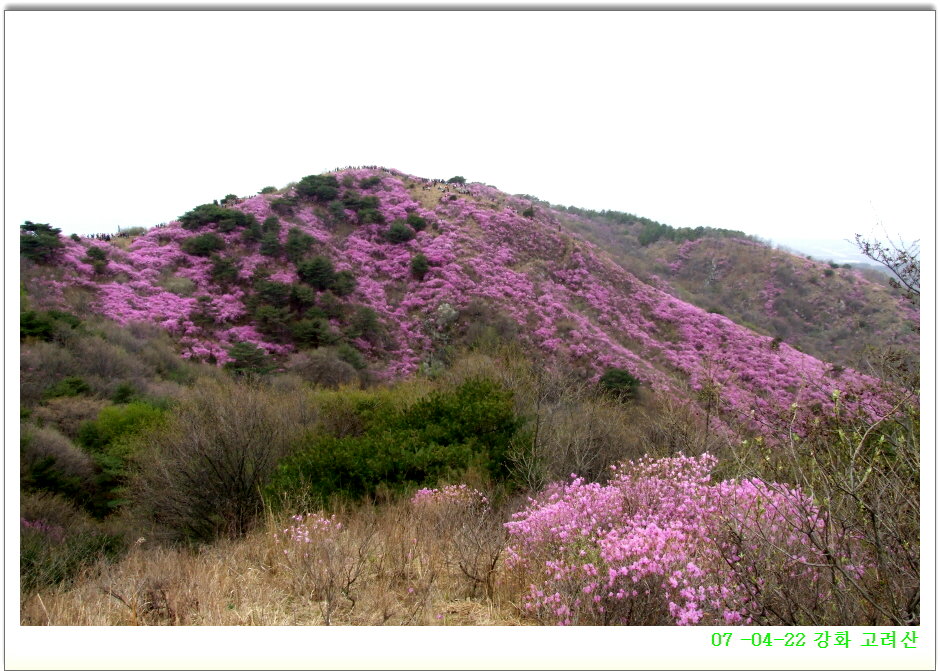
(662, 543)
(304, 530)
(450, 495)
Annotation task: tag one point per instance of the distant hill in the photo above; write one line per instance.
(834, 311)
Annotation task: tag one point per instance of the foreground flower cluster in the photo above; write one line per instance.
(663, 544)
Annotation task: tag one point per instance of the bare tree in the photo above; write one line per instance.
(902, 259)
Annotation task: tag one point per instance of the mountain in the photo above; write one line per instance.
(840, 313)
(389, 272)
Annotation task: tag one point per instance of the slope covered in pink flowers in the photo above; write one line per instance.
(568, 299)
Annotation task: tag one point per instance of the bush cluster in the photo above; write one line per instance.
(437, 437)
(226, 219)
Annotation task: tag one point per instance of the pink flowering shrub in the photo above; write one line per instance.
(663, 544)
(451, 495)
(303, 530)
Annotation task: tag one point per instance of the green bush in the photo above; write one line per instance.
(224, 271)
(297, 245)
(371, 216)
(252, 232)
(620, 383)
(350, 355)
(202, 245)
(124, 393)
(268, 189)
(45, 325)
(344, 283)
(40, 242)
(331, 307)
(419, 266)
(337, 211)
(270, 245)
(226, 219)
(273, 321)
(528, 212)
(302, 297)
(248, 359)
(318, 187)
(283, 206)
(313, 333)
(98, 258)
(439, 437)
(116, 424)
(457, 180)
(399, 232)
(317, 272)
(369, 182)
(97, 254)
(277, 294)
(364, 323)
(50, 554)
(68, 386)
(417, 222)
(109, 439)
(271, 225)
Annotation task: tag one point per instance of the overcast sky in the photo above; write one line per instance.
(780, 124)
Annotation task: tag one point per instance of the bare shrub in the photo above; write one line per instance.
(68, 413)
(106, 365)
(201, 476)
(322, 367)
(46, 445)
(43, 364)
(472, 535)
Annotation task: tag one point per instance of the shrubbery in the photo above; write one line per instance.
(317, 272)
(51, 554)
(419, 266)
(297, 245)
(318, 187)
(620, 383)
(440, 436)
(399, 232)
(202, 245)
(227, 219)
(45, 325)
(200, 476)
(40, 242)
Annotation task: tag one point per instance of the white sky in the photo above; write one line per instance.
(781, 124)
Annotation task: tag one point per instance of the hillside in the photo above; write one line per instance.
(370, 398)
(837, 313)
(392, 271)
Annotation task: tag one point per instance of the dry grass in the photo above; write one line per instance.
(391, 565)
